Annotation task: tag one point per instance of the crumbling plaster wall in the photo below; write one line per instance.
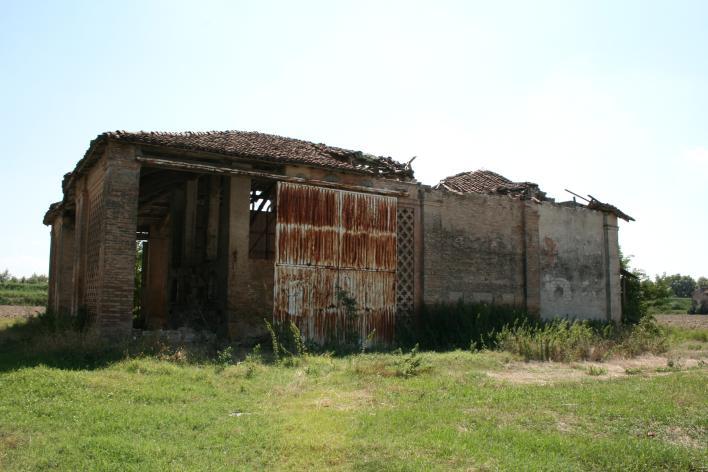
(553, 260)
(579, 263)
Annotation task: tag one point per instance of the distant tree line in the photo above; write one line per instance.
(675, 285)
(7, 277)
(643, 292)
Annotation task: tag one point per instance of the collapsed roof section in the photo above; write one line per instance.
(491, 183)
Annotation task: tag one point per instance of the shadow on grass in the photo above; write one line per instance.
(69, 342)
(49, 340)
(64, 343)
(13, 358)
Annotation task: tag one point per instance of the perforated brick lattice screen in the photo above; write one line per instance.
(93, 249)
(405, 269)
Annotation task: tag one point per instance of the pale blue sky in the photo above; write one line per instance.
(607, 98)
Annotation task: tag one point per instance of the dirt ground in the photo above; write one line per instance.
(11, 311)
(684, 321)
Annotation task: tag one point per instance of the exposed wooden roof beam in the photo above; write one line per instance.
(211, 169)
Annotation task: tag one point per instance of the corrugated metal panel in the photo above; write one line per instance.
(307, 296)
(368, 232)
(331, 241)
(375, 296)
(307, 231)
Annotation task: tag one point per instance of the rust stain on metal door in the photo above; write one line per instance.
(331, 244)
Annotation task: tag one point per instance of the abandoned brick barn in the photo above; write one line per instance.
(236, 227)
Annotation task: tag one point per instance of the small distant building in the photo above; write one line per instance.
(699, 301)
(238, 226)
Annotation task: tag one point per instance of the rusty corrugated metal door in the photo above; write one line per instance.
(331, 244)
(367, 260)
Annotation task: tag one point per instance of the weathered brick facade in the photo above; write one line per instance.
(206, 218)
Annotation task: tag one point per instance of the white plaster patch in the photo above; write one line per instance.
(557, 288)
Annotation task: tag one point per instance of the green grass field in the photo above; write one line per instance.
(435, 411)
(16, 293)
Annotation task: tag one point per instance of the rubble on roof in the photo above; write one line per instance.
(488, 182)
(595, 204)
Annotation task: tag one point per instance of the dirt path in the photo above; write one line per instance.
(12, 311)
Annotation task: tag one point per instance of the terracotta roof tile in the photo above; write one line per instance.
(486, 181)
(268, 147)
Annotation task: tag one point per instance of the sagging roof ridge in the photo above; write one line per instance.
(249, 145)
(272, 148)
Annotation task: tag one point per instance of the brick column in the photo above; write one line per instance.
(532, 259)
(120, 221)
(52, 302)
(612, 268)
(237, 254)
(62, 265)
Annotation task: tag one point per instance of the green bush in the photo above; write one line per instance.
(410, 365)
(646, 336)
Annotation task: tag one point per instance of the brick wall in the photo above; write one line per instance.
(474, 249)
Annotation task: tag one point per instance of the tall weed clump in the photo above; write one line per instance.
(287, 343)
(559, 341)
(461, 325)
(645, 336)
(564, 341)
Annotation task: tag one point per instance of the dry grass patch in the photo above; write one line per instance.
(544, 373)
(684, 321)
(344, 400)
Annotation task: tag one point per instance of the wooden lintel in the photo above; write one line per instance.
(211, 169)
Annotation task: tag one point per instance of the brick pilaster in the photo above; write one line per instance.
(532, 259)
(120, 220)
